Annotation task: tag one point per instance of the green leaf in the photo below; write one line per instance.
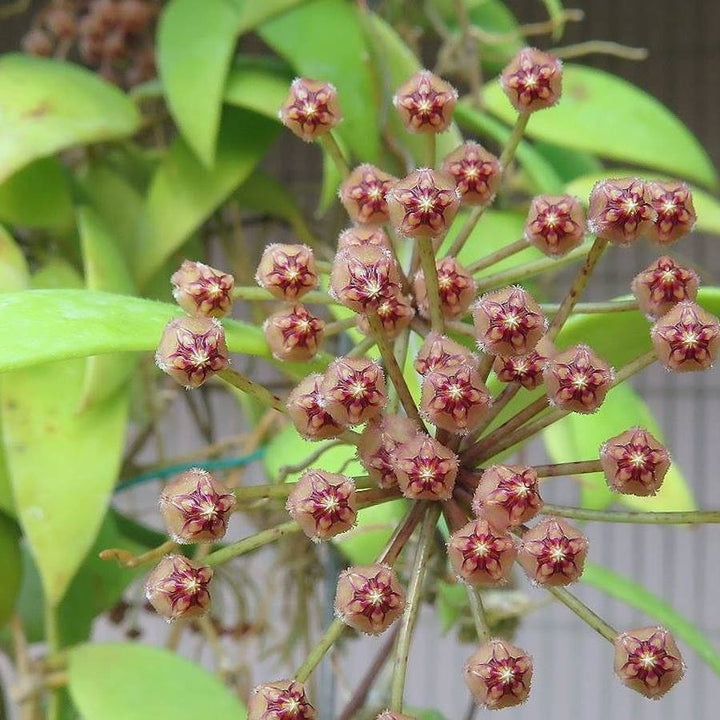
(11, 563)
(604, 115)
(569, 164)
(184, 193)
(14, 273)
(137, 682)
(641, 598)
(48, 106)
(258, 86)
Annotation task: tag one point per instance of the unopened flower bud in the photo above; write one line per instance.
(662, 285)
(395, 313)
(532, 80)
(555, 224)
(353, 390)
(426, 102)
(61, 22)
(287, 271)
(377, 447)
(620, 210)
(673, 204)
(134, 15)
(426, 469)
(196, 507)
(305, 408)
(201, 290)
(439, 351)
(37, 42)
(363, 235)
(192, 349)
(294, 333)
(456, 289)
(525, 369)
(311, 108)
(507, 495)
(481, 555)
(577, 379)
(280, 700)
(363, 194)
(476, 172)
(363, 277)
(178, 588)
(369, 598)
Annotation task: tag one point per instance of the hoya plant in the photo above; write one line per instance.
(406, 331)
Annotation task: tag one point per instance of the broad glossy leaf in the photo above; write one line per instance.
(14, 272)
(258, 86)
(48, 106)
(654, 607)
(607, 116)
(11, 563)
(569, 164)
(137, 682)
(253, 13)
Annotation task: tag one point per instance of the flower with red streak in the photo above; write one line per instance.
(287, 271)
(201, 290)
(426, 469)
(620, 210)
(507, 495)
(508, 322)
(527, 370)
(532, 80)
(662, 285)
(363, 235)
(363, 194)
(476, 172)
(455, 399)
(305, 408)
(369, 598)
(294, 333)
(555, 224)
(456, 289)
(648, 661)
(499, 674)
(363, 277)
(577, 379)
(481, 555)
(353, 390)
(378, 444)
(395, 313)
(280, 700)
(178, 588)
(426, 102)
(311, 108)
(192, 349)
(439, 351)
(323, 504)
(673, 203)
(196, 507)
(634, 462)
(687, 338)
(553, 552)
(423, 204)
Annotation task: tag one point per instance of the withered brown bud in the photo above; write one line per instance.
(687, 338)
(311, 108)
(532, 80)
(294, 333)
(620, 210)
(525, 369)
(553, 552)
(555, 224)
(423, 204)
(369, 598)
(425, 103)
(353, 390)
(196, 507)
(201, 290)
(662, 285)
(456, 289)
(507, 495)
(577, 379)
(191, 350)
(508, 322)
(178, 588)
(673, 204)
(395, 313)
(363, 235)
(362, 277)
(426, 469)
(323, 504)
(305, 408)
(377, 447)
(498, 675)
(476, 172)
(287, 271)
(363, 194)
(280, 700)
(439, 351)
(481, 555)
(648, 661)
(634, 462)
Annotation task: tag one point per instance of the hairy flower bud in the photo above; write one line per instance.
(363, 194)
(507, 495)
(553, 552)
(353, 390)
(360, 235)
(37, 42)
(423, 204)
(577, 379)
(287, 271)
(439, 351)
(673, 204)
(280, 700)
(508, 322)
(634, 462)
(498, 675)
(294, 333)
(456, 289)
(480, 554)
(323, 504)
(201, 290)
(425, 103)
(311, 108)
(363, 277)
(395, 313)
(662, 285)
(687, 338)
(196, 507)
(377, 447)
(476, 172)
(525, 369)
(532, 80)
(555, 224)
(426, 469)
(191, 350)
(305, 408)
(369, 598)
(178, 588)
(648, 661)
(620, 210)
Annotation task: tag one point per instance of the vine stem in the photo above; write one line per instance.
(412, 607)
(691, 517)
(498, 255)
(331, 636)
(569, 468)
(339, 326)
(429, 268)
(330, 143)
(400, 351)
(587, 615)
(259, 392)
(251, 292)
(431, 140)
(503, 398)
(52, 636)
(591, 308)
(477, 609)
(602, 47)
